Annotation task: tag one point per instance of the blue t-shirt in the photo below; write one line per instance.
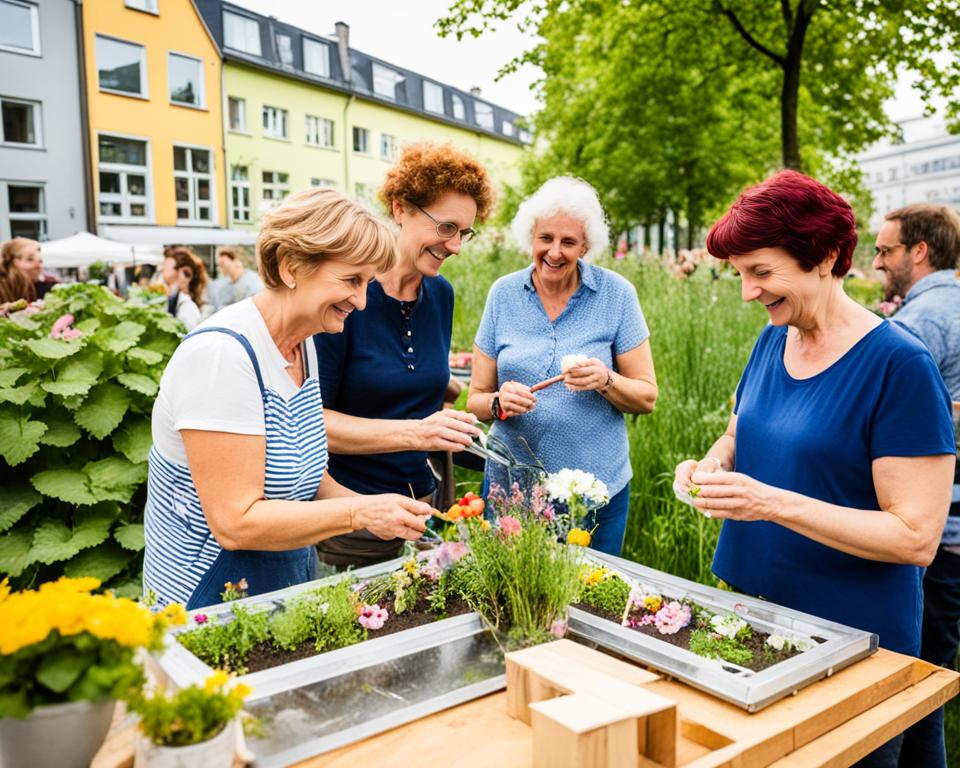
(819, 437)
(390, 362)
(576, 430)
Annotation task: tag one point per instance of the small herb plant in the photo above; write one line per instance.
(192, 714)
(603, 590)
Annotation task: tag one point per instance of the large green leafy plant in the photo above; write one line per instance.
(75, 406)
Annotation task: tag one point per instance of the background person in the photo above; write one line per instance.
(384, 378)
(238, 484)
(917, 250)
(563, 305)
(191, 287)
(18, 267)
(236, 282)
(834, 474)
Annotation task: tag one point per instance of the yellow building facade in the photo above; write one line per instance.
(284, 135)
(155, 105)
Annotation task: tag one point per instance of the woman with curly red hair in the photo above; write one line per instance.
(835, 473)
(384, 378)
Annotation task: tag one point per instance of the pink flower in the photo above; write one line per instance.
(442, 558)
(372, 616)
(509, 525)
(71, 333)
(559, 628)
(62, 326)
(672, 618)
(200, 618)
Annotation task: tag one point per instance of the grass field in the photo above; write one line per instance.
(701, 334)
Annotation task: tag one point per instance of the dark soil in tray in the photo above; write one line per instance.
(264, 656)
(763, 656)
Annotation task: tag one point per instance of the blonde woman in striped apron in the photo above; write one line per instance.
(238, 487)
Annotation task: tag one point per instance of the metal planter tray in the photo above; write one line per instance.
(747, 689)
(324, 702)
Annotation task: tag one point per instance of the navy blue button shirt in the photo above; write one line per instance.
(390, 362)
(819, 437)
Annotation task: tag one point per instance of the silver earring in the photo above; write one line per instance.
(291, 286)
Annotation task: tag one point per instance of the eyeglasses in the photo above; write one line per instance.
(448, 229)
(884, 250)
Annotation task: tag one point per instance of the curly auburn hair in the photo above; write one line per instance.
(425, 171)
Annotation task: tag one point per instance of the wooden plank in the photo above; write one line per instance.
(859, 736)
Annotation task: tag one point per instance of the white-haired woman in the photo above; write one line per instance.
(238, 487)
(563, 305)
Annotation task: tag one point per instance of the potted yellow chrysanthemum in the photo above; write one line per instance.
(66, 656)
(193, 726)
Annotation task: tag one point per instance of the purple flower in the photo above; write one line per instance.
(200, 618)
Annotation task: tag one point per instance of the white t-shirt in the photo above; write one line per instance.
(210, 383)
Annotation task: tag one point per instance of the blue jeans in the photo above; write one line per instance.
(611, 523)
(923, 742)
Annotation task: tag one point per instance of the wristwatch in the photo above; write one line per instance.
(495, 406)
(605, 387)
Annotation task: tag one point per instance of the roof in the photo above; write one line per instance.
(407, 87)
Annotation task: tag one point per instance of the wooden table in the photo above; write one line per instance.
(831, 723)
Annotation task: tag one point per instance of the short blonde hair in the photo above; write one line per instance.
(317, 224)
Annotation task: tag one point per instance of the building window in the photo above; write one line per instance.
(240, 193)
(237, 110)
(316, 57)
(507, 127)
(432, 97)
(21, 123)
(388, 147)
(19, 27)
(124, 179)
(325, 183)
(319, 131)
(388, 83)
(150, 6)
(26, 210)
(285, 49)
(361, 141)
(121, 66)
(193, 184)
(459, 111)
(186, 80)
(241, 33)
(276, 186)
(275, 123)
(484, 113)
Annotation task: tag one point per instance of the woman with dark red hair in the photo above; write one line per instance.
(835, 472)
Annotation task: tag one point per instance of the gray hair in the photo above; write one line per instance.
(569, 195)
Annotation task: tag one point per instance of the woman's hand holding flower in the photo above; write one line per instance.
(736, 496)
(588, 375)
(516, 398)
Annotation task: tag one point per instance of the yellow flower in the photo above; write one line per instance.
(653, 603)
(410, 566)
(578, 537)
(484, 525)
(175, 614)
(242, 690)
(216, 681)
(593, 576)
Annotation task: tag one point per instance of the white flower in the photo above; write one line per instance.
(562, 485)
(571, 361)
(324, 607)
(777, 642)
(728, 625)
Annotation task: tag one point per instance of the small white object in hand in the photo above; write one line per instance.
(571, 361)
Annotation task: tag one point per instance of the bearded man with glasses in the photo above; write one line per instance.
(917, 249)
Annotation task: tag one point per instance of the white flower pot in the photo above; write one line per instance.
(56, 736)
(212, 753)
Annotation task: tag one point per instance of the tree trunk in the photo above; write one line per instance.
(790, 95)
(661, 232)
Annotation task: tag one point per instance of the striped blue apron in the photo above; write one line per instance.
(183, 561)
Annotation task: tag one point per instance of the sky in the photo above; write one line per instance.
(407, 38)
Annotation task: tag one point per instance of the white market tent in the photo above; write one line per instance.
(83, 249)
(179, 235)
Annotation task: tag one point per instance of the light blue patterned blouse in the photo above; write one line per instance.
(576, 430)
